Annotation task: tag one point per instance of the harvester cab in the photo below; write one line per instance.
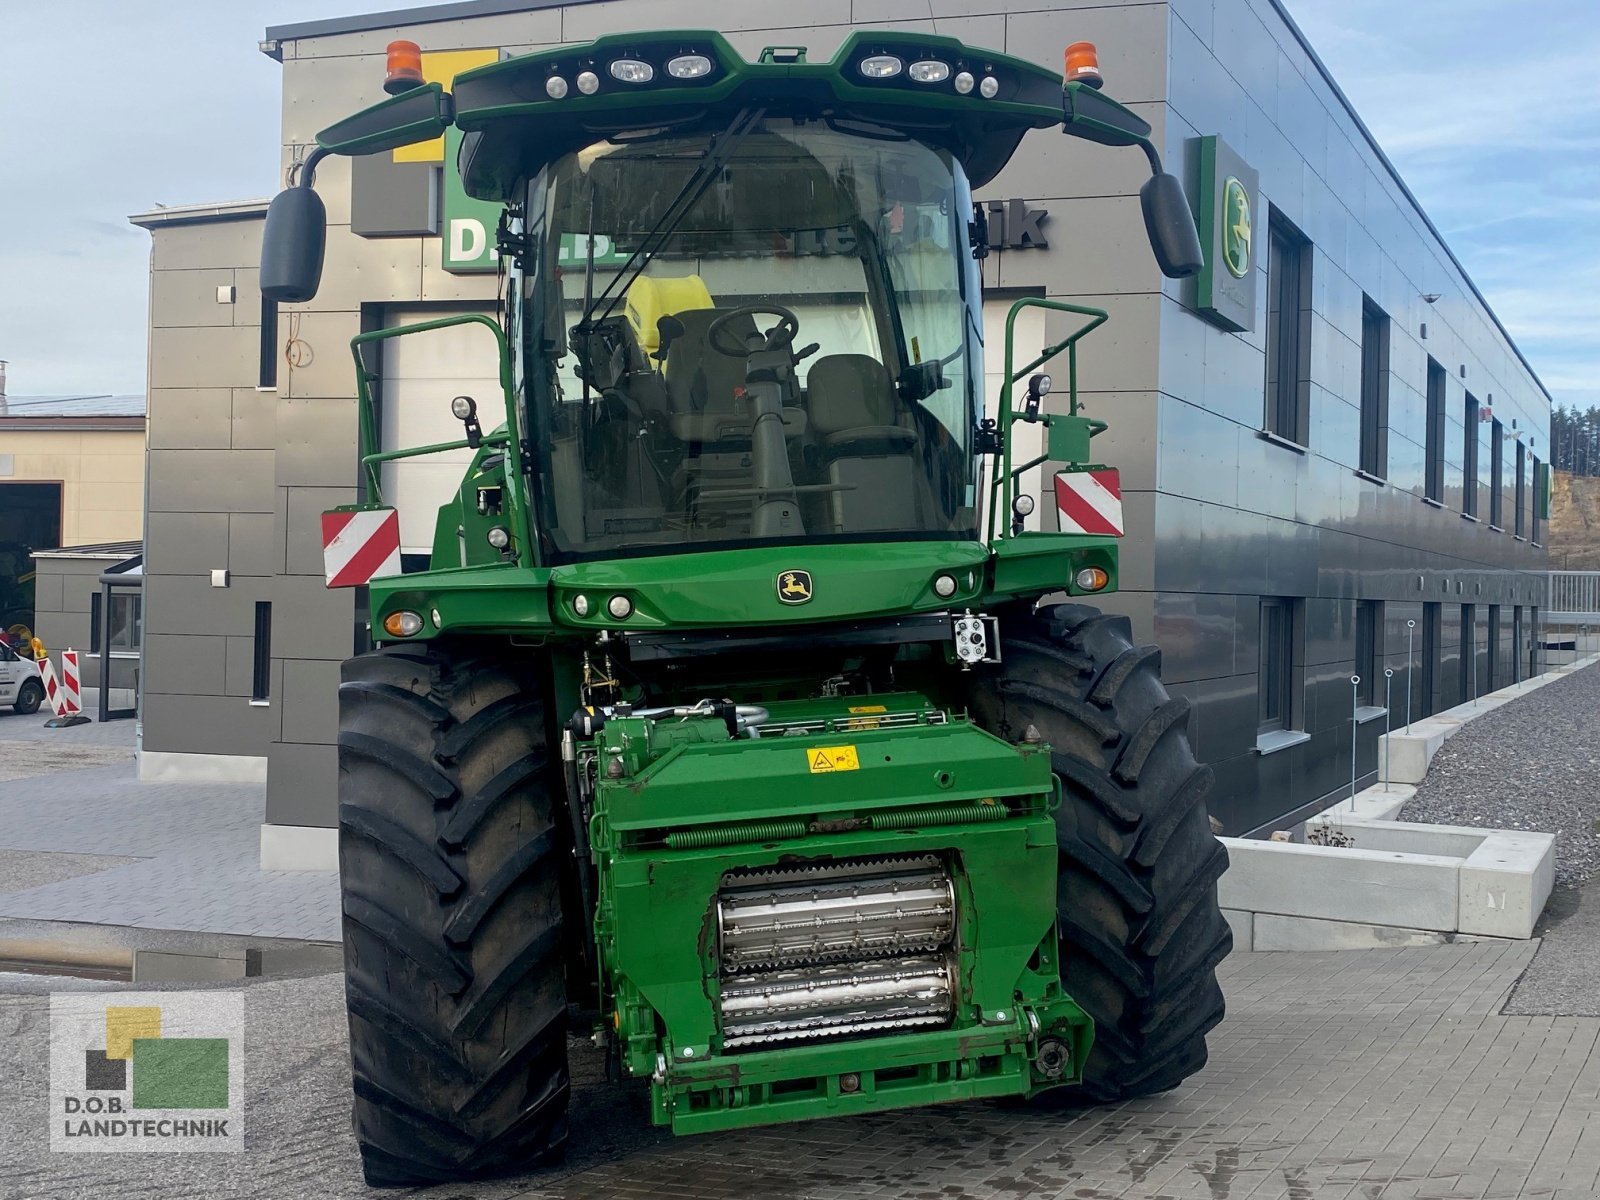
(725, 715)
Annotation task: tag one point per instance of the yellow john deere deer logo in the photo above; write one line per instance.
(794, 587)
(1236, 228)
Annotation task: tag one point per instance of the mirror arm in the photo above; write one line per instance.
(307, 175)
(1152, 154)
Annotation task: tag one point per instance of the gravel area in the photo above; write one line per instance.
(1533, 764)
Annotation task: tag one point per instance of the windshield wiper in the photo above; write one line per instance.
(722, 148)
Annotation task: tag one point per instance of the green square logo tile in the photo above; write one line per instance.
(180, 1073)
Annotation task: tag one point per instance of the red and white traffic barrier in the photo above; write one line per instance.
(65, 695)
(359, 544)
(1090, 502)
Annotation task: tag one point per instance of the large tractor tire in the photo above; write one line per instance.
(1141, 933)
(450, 849)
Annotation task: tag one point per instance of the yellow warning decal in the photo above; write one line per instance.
(825, 759)
(869, 708)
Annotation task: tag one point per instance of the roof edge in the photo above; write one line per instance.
(1279, 7)
(275, 35)
(193, 214)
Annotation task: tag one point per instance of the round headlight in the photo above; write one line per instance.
(881, 66)
(1023, 504)
(402, 624)
(1092, 579)
(944, 586)
(555, 87)
(632, 70)
(463, 408)
(689, 66)
(989, 88)
(929, 70)
(581, 605)
(498, 537)
(1039, 385)
(588, 83)
(964, 82)
(620, 607)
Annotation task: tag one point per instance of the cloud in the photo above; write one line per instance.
(1496, 130)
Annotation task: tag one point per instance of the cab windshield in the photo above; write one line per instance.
(757, 334)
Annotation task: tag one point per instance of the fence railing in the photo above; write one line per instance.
(1574, 596)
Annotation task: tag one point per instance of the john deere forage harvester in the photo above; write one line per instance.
(726, 721)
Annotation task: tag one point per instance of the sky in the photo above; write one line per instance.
(1491, 111)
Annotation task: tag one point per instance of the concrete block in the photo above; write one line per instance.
(169, 766)
(1274, 932)
(1505, 882)
(1410, 753)
(164, 966)
(299, 848)
(1379, 887)
(1414, 837)
(1376, 803)
(1243, 925)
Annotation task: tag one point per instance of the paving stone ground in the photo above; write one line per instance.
(82, 840)
(1362, 1075)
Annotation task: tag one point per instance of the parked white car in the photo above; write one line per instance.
(20, 685)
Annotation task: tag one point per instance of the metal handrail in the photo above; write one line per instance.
(1003, 487)
(372, 458)
(1574, 594)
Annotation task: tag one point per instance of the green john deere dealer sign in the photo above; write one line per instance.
(1227, 199)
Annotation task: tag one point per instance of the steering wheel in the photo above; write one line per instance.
(723, 341)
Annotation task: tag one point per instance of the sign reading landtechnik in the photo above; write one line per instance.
(151, 1071)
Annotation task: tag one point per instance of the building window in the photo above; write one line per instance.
(1469, 456)
(1541, 497)
(1521, 500)
(1434, 445)
(268, 364)
(1374, 389)
(1288, 330)
(1469, 652)
(1369, 652)
(1516, 643)
(261, 669)
(1275, 683)
(1497, 474)
(1491, 678)
(1431, 649)
(125, 626)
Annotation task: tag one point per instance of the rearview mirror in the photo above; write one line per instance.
(292, 246)
(1170, 225)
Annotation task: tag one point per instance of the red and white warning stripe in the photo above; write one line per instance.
(66, 695)
(71, 685)
(360, 544)
(1090, 502)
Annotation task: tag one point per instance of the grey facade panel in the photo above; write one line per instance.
(310, 701)
(186, 543)
(302, 784)
(185, 664)
(253, 548)
(210, 481)
(191, 724)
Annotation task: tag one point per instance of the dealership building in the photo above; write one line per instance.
(1329, 444)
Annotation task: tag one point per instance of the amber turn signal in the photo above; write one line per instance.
(1083, 64)
(405, 68)
(1091, 579)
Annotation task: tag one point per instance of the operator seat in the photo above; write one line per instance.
(855, 411)
(703, 386)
